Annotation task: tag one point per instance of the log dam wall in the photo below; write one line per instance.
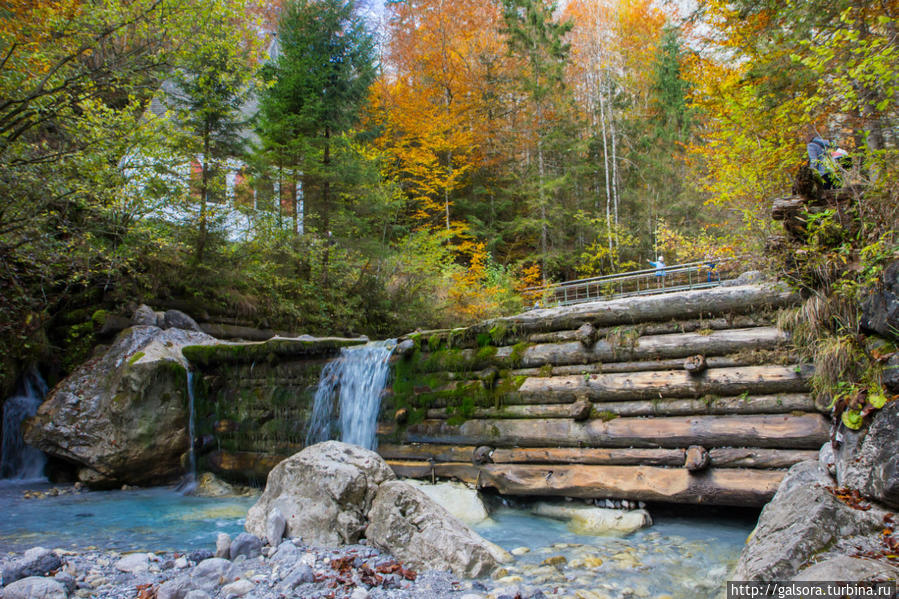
(691, 397)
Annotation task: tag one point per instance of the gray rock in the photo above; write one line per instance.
(37, 561)
(144, 316)
(801, 520)
(301, 574)
(274, 527)
(416, 530)
(209, 574)
(868, 460)
(66, 580)
(827, 459)
(324, 493)
(176, 588)
(359, 593)
(122, 417)
(223, 545)
(176, 319)
(35, 587)
(287, 553)
(847, 568)
(238, 588)
(880, 309)
(134, 563)
(247, 545)
(890, 376)
(197, 595)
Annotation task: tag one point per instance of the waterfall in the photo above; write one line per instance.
(189, 483)
(18, 460)
(354, 381)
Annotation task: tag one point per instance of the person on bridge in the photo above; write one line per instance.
(659, 265)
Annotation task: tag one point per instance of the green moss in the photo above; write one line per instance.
(483, 339)
(517, 354)
(99, 317)
(434, 343)
(498, 332)
(606, 415)
(545, 370)
(137, 356)
(486, 354)
(271, 351)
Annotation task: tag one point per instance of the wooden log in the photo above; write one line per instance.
(663, 328)
(646, 385)
(467, 473)
(745, 457)
(623, 348)
(684, 305)
(749, 358)
(722, 457)
(736, 487)
(585, 455)
(762, 404)
(697, 458)
(806, 431)
(414, 451)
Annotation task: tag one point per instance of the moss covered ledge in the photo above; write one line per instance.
(273, 349)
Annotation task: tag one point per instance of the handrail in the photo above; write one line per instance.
(593, 288)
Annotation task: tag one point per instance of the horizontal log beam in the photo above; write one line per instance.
(749, 358)
(744, 457)
(684, 305)
(426, 451)
(649, 385)
(585, 455)
(466, 473)
(662, 328)
(806, 431)
(764, 404)
(735, 487)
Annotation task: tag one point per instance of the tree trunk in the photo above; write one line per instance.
(204, 193)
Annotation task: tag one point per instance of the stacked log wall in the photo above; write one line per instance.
(692, 397)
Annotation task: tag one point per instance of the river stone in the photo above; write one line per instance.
(124, 415)
(324, 493)
(35, 587)
(247, 545)
(176, 319)
(66, 580)
(301, 574)
(287, 554)
(460, 501)
(588, 520)
(134, 563)
(868, 460)
(176, 588)
(274, 527)
(223, 545)
(843, 567)
(417, 531)
(197, 594)
(802, 520)
(238, 588)
(209, 485)
(210, 573)
(37, 561)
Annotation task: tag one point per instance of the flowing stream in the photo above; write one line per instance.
(354, 382)
(19, 461)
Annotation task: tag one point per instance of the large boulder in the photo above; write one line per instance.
(459, 500)
(845, 567)
(880, 309)
(804, 520)
(122, 416)
(589, 520)
(868, 460)
(324, 492)
(417, 531)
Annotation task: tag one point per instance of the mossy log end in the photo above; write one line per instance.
(805, 431)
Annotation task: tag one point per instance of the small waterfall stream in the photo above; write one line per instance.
(189, 482)
(354, 381)
(18, 460)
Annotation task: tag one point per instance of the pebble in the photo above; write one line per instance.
(520, 550)
(181, 563)
(238, 588)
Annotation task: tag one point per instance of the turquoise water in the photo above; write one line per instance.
(685, 554)
(145, 519)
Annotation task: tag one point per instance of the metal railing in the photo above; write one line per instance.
(678, 277)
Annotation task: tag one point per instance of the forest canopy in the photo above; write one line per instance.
(313, 166)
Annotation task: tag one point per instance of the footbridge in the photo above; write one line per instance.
(692, 396)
